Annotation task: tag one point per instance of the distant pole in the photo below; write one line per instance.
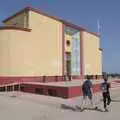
(98, 27)
(19, 86)
(6, 88)
(12, 87)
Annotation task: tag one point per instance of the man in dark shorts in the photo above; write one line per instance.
(105, 86)
(87, 91)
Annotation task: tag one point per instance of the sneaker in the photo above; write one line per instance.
(81, 109)
(96, 108)
(109, 102)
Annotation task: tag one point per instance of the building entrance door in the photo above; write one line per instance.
(68, 65)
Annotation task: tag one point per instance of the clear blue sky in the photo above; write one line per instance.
(84, 13)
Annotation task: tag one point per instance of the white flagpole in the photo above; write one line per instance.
(98, 27)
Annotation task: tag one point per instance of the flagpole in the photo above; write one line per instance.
(98, 27)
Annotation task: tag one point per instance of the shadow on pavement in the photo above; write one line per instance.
(95, 109)
(77, 108)
(115, 100)
(63, 106)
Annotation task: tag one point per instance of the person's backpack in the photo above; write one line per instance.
(86, 86)
(83, 87)
(104, 87)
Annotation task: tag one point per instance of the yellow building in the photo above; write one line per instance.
(34, 45)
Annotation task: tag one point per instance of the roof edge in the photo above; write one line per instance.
(15, 14)
(14, 28)
(27, 8)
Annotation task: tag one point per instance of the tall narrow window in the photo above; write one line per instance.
(75, 52)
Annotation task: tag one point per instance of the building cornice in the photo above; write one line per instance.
(28, 8)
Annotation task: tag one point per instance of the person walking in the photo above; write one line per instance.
(87, 90)
(105, 86)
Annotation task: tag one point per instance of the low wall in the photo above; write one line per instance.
(57, 91)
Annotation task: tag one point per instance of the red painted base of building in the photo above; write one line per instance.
(56, 91)
(28, 84)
